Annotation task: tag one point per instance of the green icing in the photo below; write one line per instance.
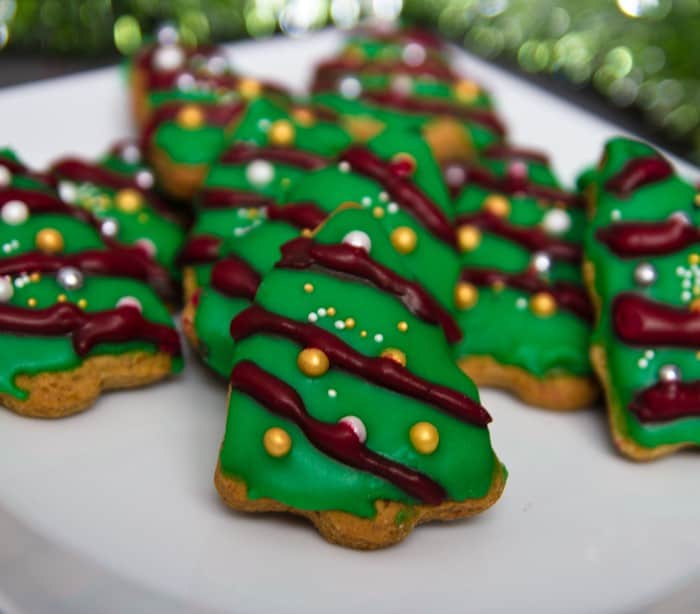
(78, 236)
(190, 145)
(508, 330)
(307, 479)
(631, 369)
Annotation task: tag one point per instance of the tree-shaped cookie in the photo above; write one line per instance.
(77, 313)
(118, 190)
(643, 271)
(520, 297)
(345, 404)
(403, 79)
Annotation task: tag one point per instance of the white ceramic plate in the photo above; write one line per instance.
(114, 510)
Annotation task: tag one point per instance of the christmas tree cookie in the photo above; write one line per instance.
(396, 178)
(403, 79)
(520, 292)
(345, 406)
(643, 271)
(117, 190)
(77, 314)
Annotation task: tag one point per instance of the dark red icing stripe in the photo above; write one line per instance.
(234, 277)
(514, 184)
(503, 151)
(301, 215)
(116, 262)
(16, 168)
(380, 371)
(89, 329)
(214, 115)
(532, 239)
(640, 321)
(303, 253)
(402, 190)
(335, 440)
(666, 401)
(431, 106)
(637, 173)
(568, 296)
(44, 202)
(228, 198)
(637, 239)
(242, 153)
(200, 249)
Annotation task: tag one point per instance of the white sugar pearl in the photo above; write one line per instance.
(185, 82)
(217, 65)
(67, 191)
(402, 84)
(167, 34)
(144, 179)
(131, 154)
(260, 173)
(148, 246)
(669, 373)
(14, 212)
(6, 289)
(131, 302)
(357, 426)
(413, 54)
(344, 166)
(5, 176)
(109, 227)
(358, 238)
(645, 274)
(541, 262)
(556, 221)
(168, 57)
(350, 87)
(70, 278)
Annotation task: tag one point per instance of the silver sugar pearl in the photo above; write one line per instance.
(669, 373)
(541, 262)
(644, 274)
(109, 227)
(70, 278)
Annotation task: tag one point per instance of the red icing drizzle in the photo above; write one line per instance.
(402, 190)
(533, 239)
(89, 329)
(227, 198)
(640, 321)
(383, 372)
(241, 153)
(396, 100)
(303, 253)
(666, 401)
(335, 440)
(234, 277)
(568, 296)
(503, 151)
(301, 215)
(200, 249)
(637, 173)
(513, 183)
(635, 239)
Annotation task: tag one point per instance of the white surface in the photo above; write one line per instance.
(128, 485)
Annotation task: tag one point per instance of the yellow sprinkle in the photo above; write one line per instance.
(330, 311)
(696, 200)
(253, 213)
(308, 288)
(402, 326)
(363, 333)
(31, 302)
(350, 323)
(378, 212)
(694, 258)
(62, 298)
(82, 303)
(306, 232)
(35, 277)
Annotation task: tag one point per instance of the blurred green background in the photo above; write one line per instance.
(635, 61)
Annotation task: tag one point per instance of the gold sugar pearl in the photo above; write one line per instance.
(307, 232)
(497, 205)
(695, 305)
(312, 362)
(693, 258)
(349, 323)
(696, 200)
(249, 88)
(424, 437)
(363, 333)
(404, 239)
(378, 213)
(468, 237)
(190, 117)
(35, 277)
(277, 442)
(543, 304)
(49, 241)
(61, 298)
(281, 133)
(466, 90)
(330, 311)
(402, 326)
(308, 288)
(128, 200)
(466, 295)
(31, 302)
(82, 303)
(395, 354)
(304, 117)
